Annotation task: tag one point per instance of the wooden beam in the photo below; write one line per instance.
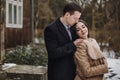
(2, 24)
(2, 49)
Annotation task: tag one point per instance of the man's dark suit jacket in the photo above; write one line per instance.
(60, 52)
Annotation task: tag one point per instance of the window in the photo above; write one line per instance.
(14, 13)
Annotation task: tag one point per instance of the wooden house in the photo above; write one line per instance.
(15, 23)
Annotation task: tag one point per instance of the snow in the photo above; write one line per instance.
(114, 69)
(8, 65)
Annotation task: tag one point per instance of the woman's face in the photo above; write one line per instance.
(82, 30)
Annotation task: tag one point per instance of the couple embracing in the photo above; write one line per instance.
(72, 54)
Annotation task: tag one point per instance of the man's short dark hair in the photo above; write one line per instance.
(71, 8)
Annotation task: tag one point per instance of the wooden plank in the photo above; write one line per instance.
(2, 49)
(27, 70)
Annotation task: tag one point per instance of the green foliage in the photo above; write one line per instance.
(27, 55)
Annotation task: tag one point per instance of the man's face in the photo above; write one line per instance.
(73, 19)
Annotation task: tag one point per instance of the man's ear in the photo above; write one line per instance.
(67, 14)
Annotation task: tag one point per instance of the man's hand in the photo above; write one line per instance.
(77, 41)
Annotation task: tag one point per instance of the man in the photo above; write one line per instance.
(60, 45)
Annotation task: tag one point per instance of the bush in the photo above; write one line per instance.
(35, 55)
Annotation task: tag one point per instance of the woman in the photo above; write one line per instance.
(90, 63)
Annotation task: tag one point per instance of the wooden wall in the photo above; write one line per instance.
(20, 36)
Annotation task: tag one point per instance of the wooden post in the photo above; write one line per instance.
(2, 50)
(32, 19)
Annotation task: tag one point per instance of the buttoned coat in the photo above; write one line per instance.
(89, 61)
(60, 51)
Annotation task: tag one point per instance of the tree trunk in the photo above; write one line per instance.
(93, 23)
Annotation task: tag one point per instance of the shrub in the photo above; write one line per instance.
(30, 55)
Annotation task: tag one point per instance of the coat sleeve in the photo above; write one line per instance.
(84, 66)
(54, 50)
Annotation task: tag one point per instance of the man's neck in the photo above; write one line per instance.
(63, 20)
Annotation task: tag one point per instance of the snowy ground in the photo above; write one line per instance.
(114, 69)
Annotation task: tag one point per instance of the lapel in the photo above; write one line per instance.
(62, 29)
